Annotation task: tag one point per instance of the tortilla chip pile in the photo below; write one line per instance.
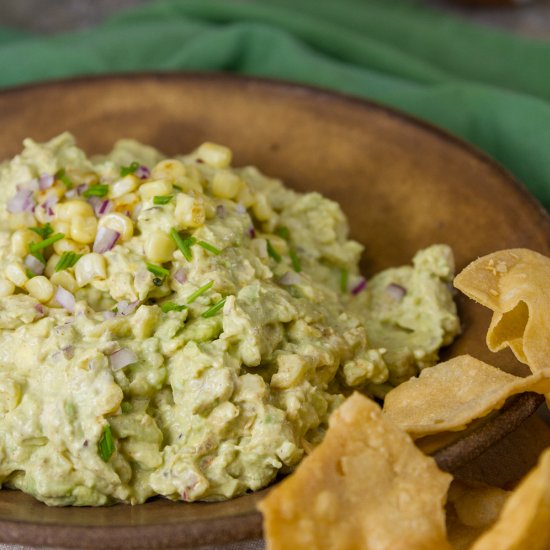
(368, 486)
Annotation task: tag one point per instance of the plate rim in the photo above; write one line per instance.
(296, 87)
(57, 534)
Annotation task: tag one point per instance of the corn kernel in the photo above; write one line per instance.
(169, 169)
(61, 227)
(158, 187)
(16, 274)
(58, 190)
(159, 247)
(49, 270)
(194, 181)
(7, 288)
(226, 185)
(209, 208)
(187, 178)
(20, 241)
(83, 229)
(246, 197)
(41, 214)
(80, 176)
(40, 288)
(189, 211)
(120, 223)
(89, 267)
(215, 155)
(261, 208)
(66, 211)
(125, 185)
(21, 220)
(68, 245)
(126, 203)
(64, 279)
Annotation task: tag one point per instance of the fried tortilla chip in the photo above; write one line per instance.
(472, 509)
(448, 396)
(514, 284)
(525, 518)
(366, 486)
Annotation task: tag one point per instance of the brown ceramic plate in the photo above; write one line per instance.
(402, 183)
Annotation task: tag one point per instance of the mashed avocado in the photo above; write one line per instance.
(180, 327)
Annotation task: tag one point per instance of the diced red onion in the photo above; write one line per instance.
(100, 206)
(220, 211)
(251, 232)
(104, 207)
(121, 358)
(40, 309)
(290, 278)
(142, 172)
(34, 264)
(108, 314)
(105, 239)
(396, 291)
(45, 181)
(48, 205)
(359, 286)
(125, 308)
(30, 185)
(65, 299)
(180, 275)
(241, 209)
(22, 201)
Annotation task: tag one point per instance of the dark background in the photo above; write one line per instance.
(529, 18)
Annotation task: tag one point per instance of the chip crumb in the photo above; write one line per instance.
(490, 266)
(501, 267)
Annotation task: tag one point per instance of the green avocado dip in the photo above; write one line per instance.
(184, 328)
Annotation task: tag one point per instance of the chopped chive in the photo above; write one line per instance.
(162, 199)
(30, 274)
(183, 244)
(272, 252)
(35, 247)
(295, 261)
(209, 247)
(68, 259)
(97, 190)
(210, 312)
(61, 175)
(106, 444)
(157, 270)
(44, 231)
(344, 280)
(199, 292)
(126, 170)
(283, 232)
(171, 306)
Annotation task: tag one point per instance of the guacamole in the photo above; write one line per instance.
(184, 328)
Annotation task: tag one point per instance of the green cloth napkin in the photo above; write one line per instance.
(489, 87)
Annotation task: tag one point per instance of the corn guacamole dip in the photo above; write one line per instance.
(184, 328)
